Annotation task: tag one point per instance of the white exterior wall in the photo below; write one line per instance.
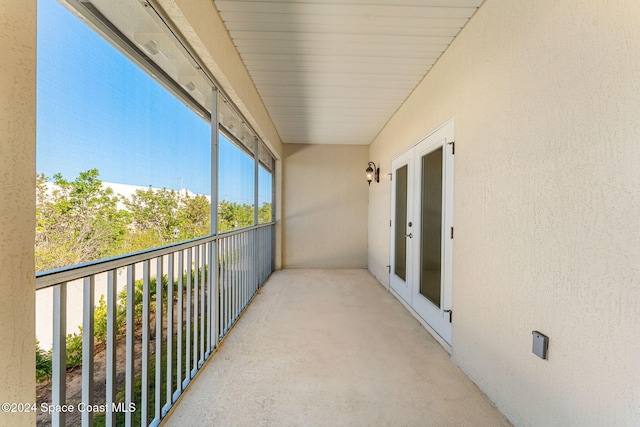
(17, 207)
(325, 206)
(546, 101)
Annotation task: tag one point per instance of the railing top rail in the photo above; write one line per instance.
(242, 230)
(46, 279)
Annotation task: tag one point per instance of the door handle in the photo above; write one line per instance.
(410, 235)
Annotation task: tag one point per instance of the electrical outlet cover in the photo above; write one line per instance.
(540, 344)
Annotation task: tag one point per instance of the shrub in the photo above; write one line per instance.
(43, 364)
(74, 349)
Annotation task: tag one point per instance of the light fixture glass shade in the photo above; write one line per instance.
(369, 174)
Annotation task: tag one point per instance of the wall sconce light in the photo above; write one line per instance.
(373, 173)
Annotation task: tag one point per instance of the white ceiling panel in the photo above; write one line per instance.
(334, 72)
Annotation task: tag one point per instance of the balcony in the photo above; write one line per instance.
(316, 347)
(331, 347)
(546, 230)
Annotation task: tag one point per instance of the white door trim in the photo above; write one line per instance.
(429, 314)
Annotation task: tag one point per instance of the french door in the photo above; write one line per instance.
(422, 228)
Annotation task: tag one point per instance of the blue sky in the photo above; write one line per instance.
(96, 109)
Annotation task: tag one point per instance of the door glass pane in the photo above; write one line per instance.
(431, 206)
(400, 256)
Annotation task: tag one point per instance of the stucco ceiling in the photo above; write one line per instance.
(334, 71)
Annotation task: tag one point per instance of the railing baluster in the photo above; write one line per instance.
(230, 257)
(180, 313)
(169, 389)
(223, 269)
(227, 299)
(196, 275)
(242, 279)
(245, 265)
(245, 282)
(259, 257)
(266, 261)
(211, 277)
(265, 240)
(129, 360)
(262, 255)
(240, 275)
(253, 276)
(241, 237)
(59, 354)
(220, 308)
(112, 301)
(187, 360)
(248, 260)
(235, 278)
(254, 258)
(158, 355)
(87, 348)
(144, 401)
(248, 283)
(217, 297)
(229, 284)
(233, 258)
(253, 262)
(245, 269)
(203, 315)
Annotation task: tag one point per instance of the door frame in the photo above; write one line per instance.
(431, 317)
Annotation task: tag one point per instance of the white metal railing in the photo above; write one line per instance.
(165, 314)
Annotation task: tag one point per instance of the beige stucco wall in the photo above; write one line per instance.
(17, 206)
(546, 100)
(324, 206)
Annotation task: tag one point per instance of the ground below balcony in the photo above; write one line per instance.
(331, 348)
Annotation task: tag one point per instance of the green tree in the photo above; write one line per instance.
(194, 217)
(154, 215)
(79, 221)
(76, 221)
(233, 215)
(264, 213)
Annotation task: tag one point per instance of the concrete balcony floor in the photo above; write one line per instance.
(331, 348)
